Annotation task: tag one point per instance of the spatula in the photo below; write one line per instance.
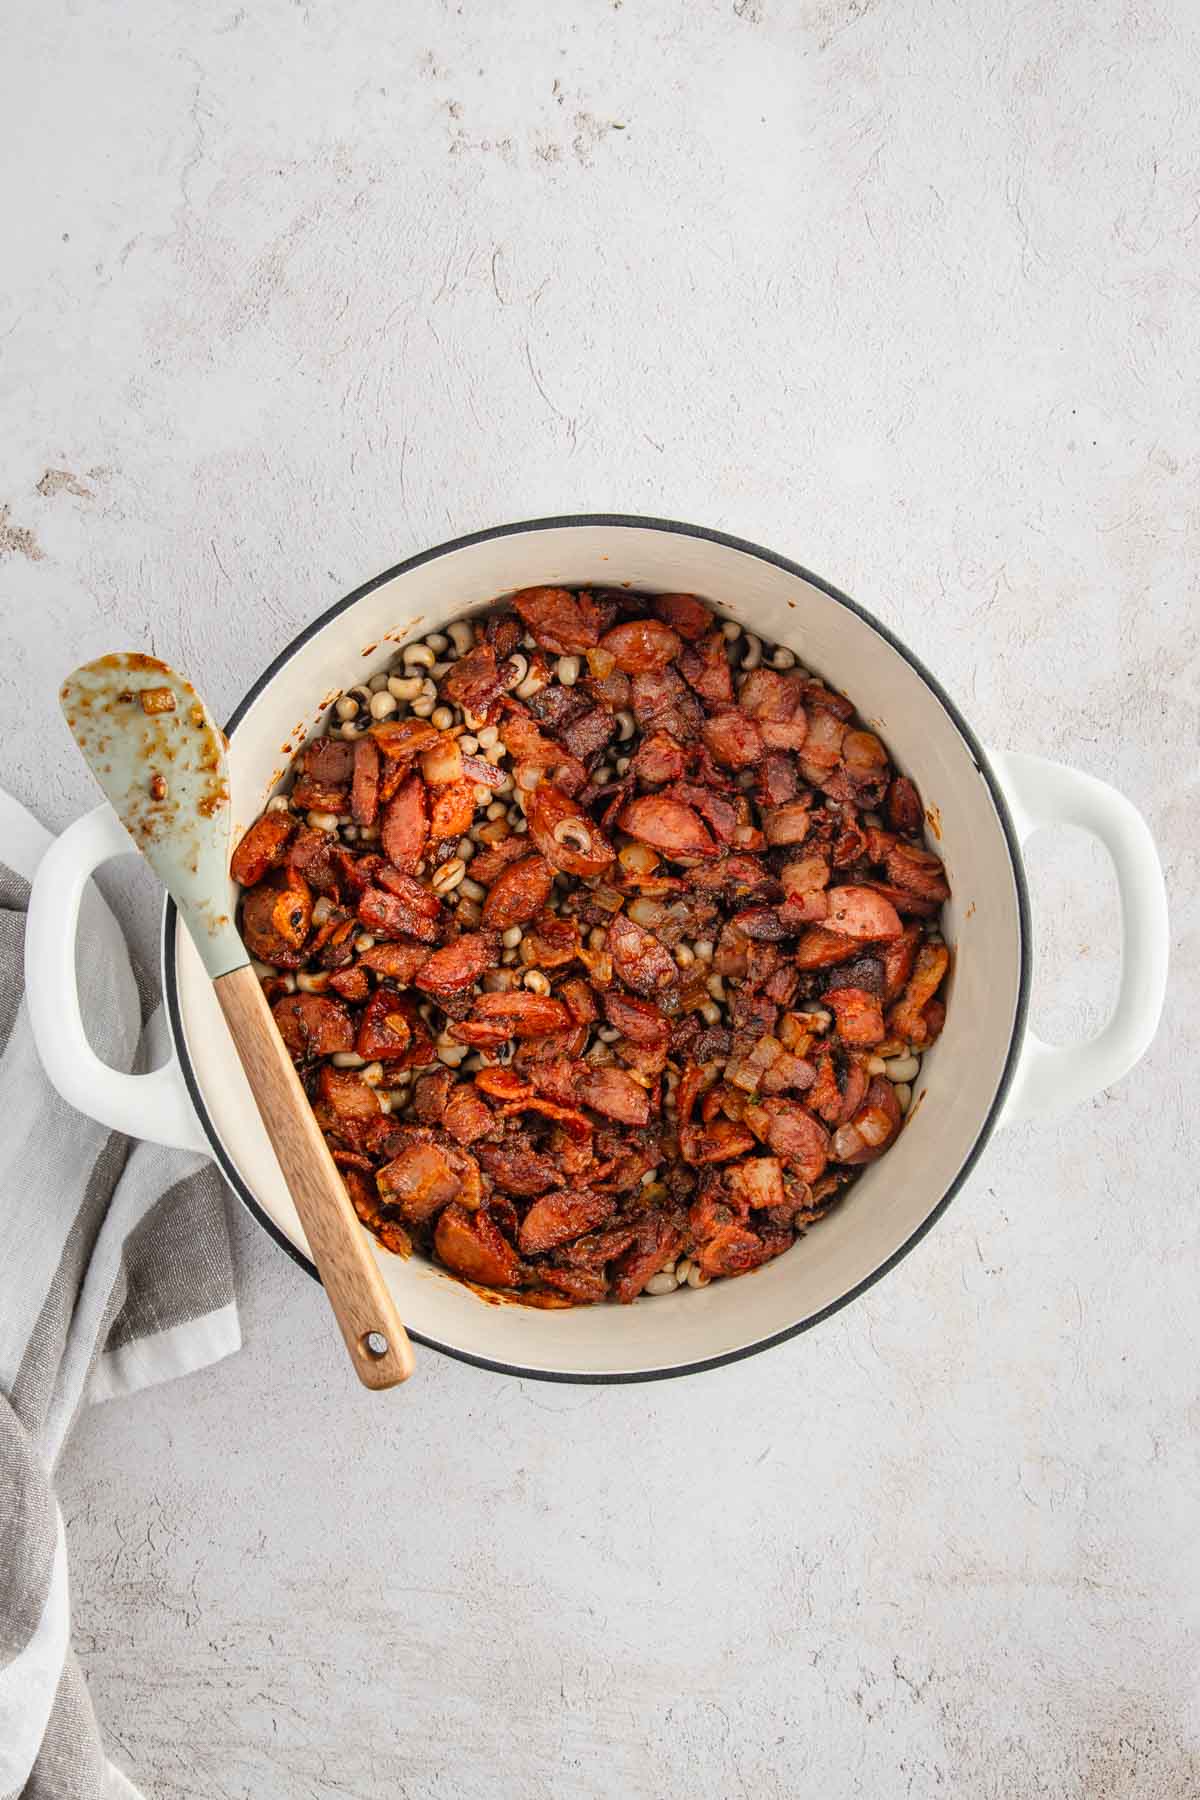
(150, 741)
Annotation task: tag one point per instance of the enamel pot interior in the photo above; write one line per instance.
(962, 1080)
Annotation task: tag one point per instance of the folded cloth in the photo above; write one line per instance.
(115, 1273)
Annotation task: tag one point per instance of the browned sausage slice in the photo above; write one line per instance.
(460, 964)
(364, 794)
(406, 824)
(311, 1025)
(559, 1218)
(518, 892)
(473, 1245)
(263, 847)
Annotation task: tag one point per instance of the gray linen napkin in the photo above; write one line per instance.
(115, 1273)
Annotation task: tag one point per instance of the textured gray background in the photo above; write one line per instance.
(906, 291)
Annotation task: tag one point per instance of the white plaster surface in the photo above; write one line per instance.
(907, 291)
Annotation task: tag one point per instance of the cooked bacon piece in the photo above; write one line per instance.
(312, 1025)
(560, 622)
(277, 918)
(639, 647)
(638, 958)
(316, 857)
(934, 1016)
(859, 1016)
(816, 695)
(821, 949)
(555, 1077)
(875, 1123)
(907, 904)
(785, 734)
(460, 964)
(683, 613)
(481, 1034)
(919, 871)
(705, 668)
(399, 962)
(481, 772)
(659, 758)
(559, 1218)
(823, 745)
(667, 825)
(864, 972)
(556, 706)
(786, 824)
(613, 1092)
(589, 733)
(904, 810)
(907, 1017)
(580, 1285)
(733, 739)
(793, 1134)
(473, 1245)
(426, 1174)
(515, 1166)
(579, 999)
(431, 1094)
(466, 1117)
(732, 1251)
(522, 1014)
(840, 1085)
(405, 826)
(721, 1140)
(553, 941)
(385, 1029)
(757, 1183)
(531, 750)
(401, 739)
(638, 1020)
(263, 847)
(898, 958)
(804, 882)
(487, 864)
(415, 912)
(720, 813)
(518, 892)
(453, 810)
(503, 631)
(476, 681)
(860, 913)
(351, 984)
(310, 795)
(766, 694)
(662, 702)
(346, 1093)
(736, 876)
(659, 1239)
(762, 924)
(777, 780)
(566, 837)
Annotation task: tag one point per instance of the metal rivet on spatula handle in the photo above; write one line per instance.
(375, 1344)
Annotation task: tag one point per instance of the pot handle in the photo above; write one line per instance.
(1050, 1078)
(154, 1106)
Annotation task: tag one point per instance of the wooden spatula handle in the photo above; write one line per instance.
(365, 1310)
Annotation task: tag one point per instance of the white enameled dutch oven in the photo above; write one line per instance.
(987, 1067)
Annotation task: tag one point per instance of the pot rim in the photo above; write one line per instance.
(671, 526)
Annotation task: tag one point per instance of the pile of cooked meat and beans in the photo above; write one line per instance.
(604, 939)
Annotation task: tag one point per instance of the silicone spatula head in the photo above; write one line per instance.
(151, 743)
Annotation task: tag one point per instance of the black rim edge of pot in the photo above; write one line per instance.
(631, 521)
